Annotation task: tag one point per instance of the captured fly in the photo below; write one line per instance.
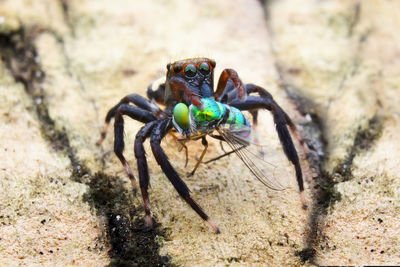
(232, 127)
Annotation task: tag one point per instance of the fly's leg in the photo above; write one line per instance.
(281, 119)
(205, 144)
(196, 137)
(148, 108)
(186, 152)
(143, 170)
(221, 139)
(158, 133)
(224, 155)
(221, 144)
(119, 144)
(182, 146)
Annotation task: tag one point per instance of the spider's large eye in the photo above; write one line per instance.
(177, 68)
(190, 70)
(212, 62)
(204, 68)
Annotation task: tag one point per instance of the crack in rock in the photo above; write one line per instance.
(323, 186)
(130, 245)
(363, 141)
(65, 6)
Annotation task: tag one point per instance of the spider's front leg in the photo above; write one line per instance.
(146, 109)
(135, 113)
(251, 88)
(158, 133)
(143, 170)
(281, 120)
(230, 87)
(232, 91)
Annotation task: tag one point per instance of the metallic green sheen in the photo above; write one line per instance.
(236, 116)
(190, 70)
(212, 111)
(181, 115)
(204, 68)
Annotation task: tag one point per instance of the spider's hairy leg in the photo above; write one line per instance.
(149, 110)
(158, 133)
(144, 178)
(254, 114)
(251, 88)
(119, 144)
(281, 119)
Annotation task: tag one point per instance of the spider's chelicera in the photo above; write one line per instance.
(196, 111)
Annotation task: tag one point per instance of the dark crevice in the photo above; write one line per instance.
(20, 56)
(130, 245)
(67, 15)
(323, 190)
(323, 186)
(311, 127)
(325, 194)
(355, 18)
(363, 141)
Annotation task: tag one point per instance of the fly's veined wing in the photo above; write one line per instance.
(247, 146)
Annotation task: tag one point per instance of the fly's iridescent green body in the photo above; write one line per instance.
(192, 120)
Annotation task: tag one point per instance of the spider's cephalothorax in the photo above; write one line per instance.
(189, 79)
(195, 110)
(196, 75)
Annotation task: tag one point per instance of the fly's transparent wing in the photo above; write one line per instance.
(246, 144)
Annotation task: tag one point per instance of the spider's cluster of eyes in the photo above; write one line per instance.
(191, 69)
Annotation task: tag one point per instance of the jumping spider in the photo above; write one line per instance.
(195, 110)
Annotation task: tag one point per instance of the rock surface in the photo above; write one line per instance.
(343, 56)
(67, 201)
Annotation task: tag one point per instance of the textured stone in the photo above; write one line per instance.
(342, 56)
(42, 214)
(335, 59)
